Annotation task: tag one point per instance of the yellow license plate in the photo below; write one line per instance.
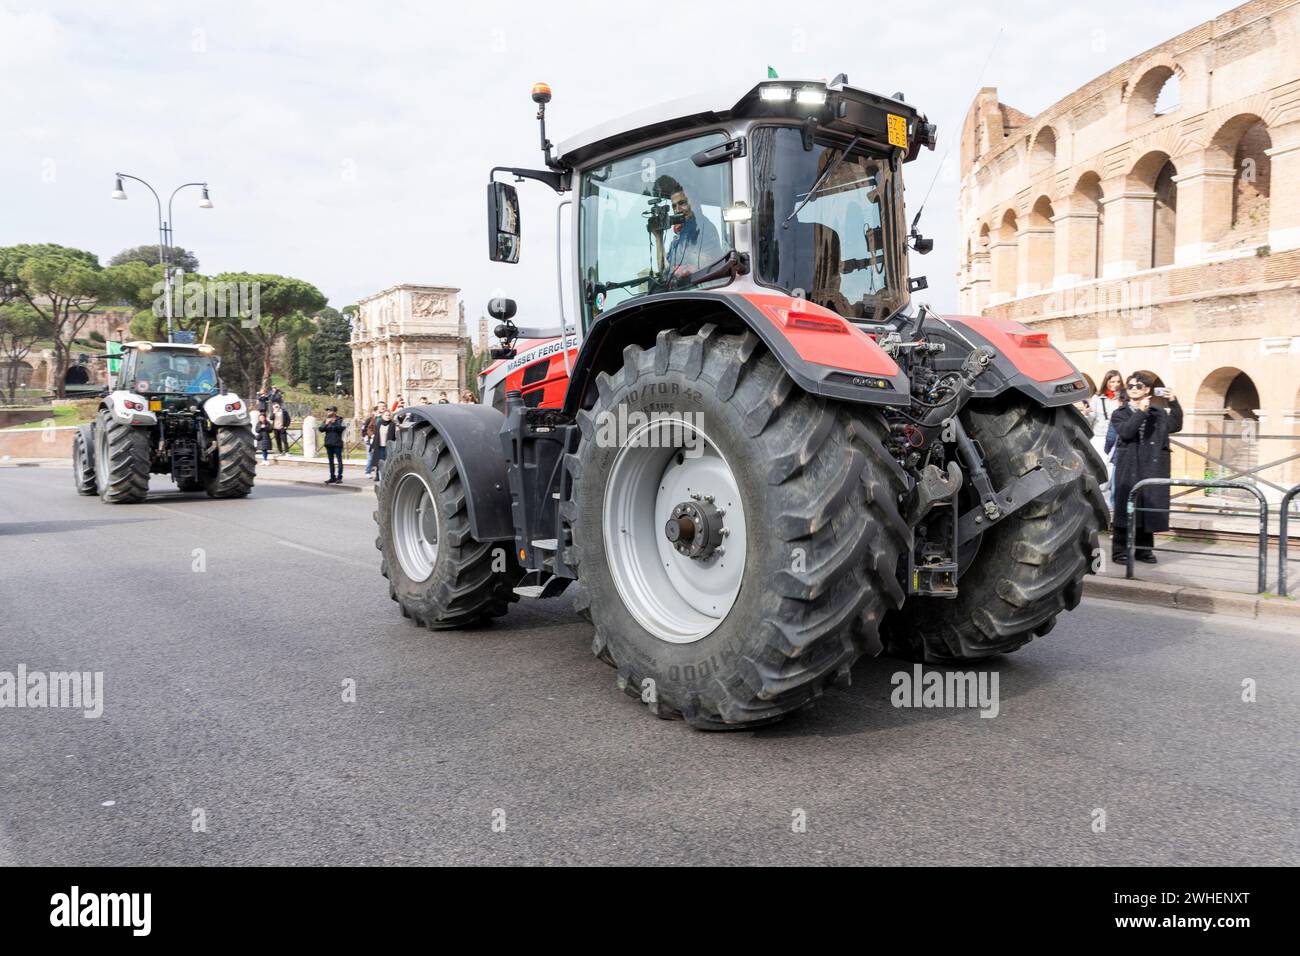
(155, 405)
(897, 130)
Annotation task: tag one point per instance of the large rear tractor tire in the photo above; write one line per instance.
(1029, 567)
(440, 576)
(232, 475)
(83, 460)
(738, 552)
(121, 461)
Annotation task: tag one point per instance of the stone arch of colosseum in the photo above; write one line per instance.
(1239, 203)
(1227, 410)
(1081, 224)
(1038, 241)
(1149, 81)
(1004, 255)
(1042, 150)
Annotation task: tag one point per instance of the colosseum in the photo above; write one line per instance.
(1151, 220)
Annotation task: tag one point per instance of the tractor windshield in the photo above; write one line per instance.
(160, 371)
(652, 222)
(824, 224)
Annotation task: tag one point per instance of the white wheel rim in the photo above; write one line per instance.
(415, 527)
(678, 599)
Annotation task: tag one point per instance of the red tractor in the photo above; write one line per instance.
(755, 454)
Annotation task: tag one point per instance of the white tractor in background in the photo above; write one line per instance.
(166, 413)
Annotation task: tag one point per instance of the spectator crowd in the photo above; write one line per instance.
(1132, 418)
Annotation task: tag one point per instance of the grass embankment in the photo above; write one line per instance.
(73, 413)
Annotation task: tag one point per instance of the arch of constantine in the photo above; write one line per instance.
(408, 342)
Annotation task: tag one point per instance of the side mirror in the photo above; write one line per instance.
(503, 222)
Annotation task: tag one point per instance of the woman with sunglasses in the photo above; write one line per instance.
(1142, 451)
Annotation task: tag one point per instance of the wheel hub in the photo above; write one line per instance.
(415, 527)
(667, 514)
(695, 528)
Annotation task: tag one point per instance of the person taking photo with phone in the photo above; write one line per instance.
(1142, 451)
(332, 428)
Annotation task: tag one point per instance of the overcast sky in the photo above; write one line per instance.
(348, 144)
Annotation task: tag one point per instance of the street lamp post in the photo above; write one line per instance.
(164, 230)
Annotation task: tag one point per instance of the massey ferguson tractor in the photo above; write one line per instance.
(166, 413)
(755, 454)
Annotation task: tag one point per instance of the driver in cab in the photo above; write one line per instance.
(695, 244)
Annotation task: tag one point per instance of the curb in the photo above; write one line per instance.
(353, 489)
(1204, 600)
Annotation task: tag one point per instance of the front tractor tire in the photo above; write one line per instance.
(83, 460)
(438, 573)
(731, 585)
(231, 476)
(1029, 567)
(121, 460)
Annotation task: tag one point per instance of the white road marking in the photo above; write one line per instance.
(324, 554)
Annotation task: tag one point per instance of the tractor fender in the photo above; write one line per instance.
(1023, 359)
(226, 409)
(823, 353)
(116, 403)
(472, 434)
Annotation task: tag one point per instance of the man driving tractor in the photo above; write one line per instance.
(695, 243)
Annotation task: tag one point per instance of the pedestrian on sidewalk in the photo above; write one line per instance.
(263, 434)
(332, 428)
(385, 435)
(280, 422)
(368, 431)
(1142, 451)
(1109, 399)
(467, 398)
(263, 399)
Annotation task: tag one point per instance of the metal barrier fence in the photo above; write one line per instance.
(1131, 509)
(1231, 446)
(350, 444)
(1282, 521)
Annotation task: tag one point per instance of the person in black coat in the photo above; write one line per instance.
(1142, 451)
(263, 433)
(385, 435)
(333, 428)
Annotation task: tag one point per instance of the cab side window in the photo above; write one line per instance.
(650, 222)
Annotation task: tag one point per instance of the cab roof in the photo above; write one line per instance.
(179, 346)
(846, 107)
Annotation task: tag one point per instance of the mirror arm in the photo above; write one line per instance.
(557, 180)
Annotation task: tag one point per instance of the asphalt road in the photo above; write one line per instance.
(223, 692)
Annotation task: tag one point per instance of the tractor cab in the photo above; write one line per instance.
(787, 187)
(784, 189)
(151, 368)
